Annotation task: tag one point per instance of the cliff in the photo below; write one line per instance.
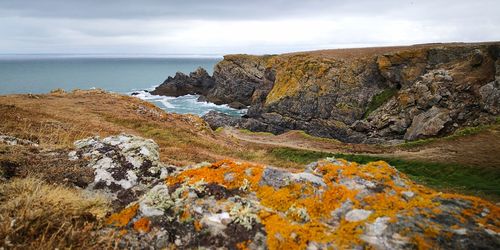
(364, 95)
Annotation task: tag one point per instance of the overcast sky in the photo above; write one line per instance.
(230, 26)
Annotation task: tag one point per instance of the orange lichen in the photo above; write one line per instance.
(142, 225)
(226, 173)
(122, 232)
(299, 213)
(122, 218)
(197, 225)
(243, 245)
(186, 215)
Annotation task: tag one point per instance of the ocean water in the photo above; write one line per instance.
(121, 74)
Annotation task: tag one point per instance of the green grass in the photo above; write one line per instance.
(379, 99)
(483, 182)
(297, 155)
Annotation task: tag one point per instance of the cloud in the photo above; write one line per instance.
(223, 26)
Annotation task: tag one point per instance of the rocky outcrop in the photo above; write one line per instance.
(125, 166)
(239, 79)
(365, 95)
(198, 82)
(333, 203)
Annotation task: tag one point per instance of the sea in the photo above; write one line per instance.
(36, 74)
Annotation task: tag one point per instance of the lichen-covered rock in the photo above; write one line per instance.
(334, 204)
(125, 166)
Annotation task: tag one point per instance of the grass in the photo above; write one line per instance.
(36, 215)
(298, 155)
(379, 99)
(315, 138)
(483, 182)
(248, 132)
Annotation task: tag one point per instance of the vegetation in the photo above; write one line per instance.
(36, 215)
(380, 99)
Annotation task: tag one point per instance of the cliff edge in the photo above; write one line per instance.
(367, 95)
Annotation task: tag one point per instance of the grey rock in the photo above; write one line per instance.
(124, 165)
(428, 124)
(357, 215)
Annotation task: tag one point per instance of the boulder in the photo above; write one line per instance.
(217, 119)
(125, 166)
(428, 124)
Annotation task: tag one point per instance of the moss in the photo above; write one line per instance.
(379, 99)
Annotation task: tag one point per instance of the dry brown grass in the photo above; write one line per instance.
(57, 120)
(51, 166)
(36, 215)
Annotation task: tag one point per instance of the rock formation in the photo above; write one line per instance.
(333, 203)
(198, 82)
(364, 95)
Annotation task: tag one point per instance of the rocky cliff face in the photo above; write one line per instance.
(362, 95)
(366, 95)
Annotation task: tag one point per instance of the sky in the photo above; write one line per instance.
(231, 26)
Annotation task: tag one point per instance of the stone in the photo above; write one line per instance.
(357, 215)
(12, 141)
(408, 194)
(275, 177)
(428, 124)
(217, 119)
(124, 165)
(490, 97)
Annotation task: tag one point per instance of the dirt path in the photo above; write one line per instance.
(482, 150)
(298, 140)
